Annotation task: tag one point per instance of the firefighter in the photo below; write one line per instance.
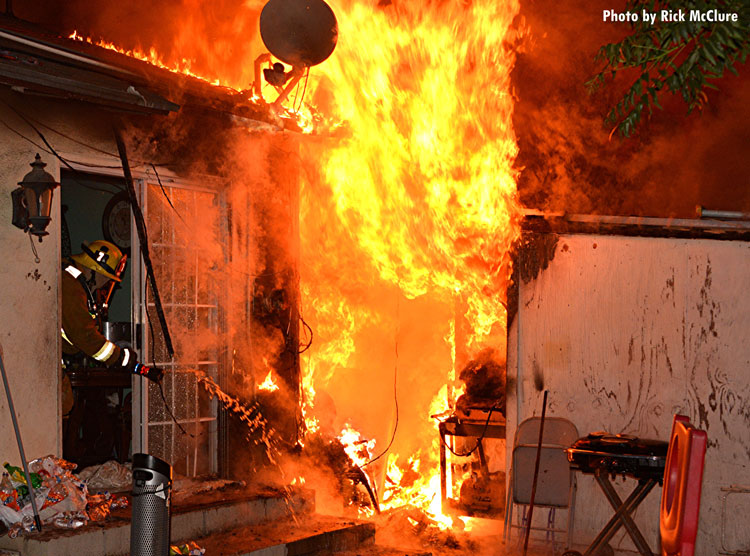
(84, 274)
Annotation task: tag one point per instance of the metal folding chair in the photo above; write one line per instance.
(556, 483)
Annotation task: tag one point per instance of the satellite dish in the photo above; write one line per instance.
(299, 32)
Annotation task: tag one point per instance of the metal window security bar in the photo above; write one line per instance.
(179, 217)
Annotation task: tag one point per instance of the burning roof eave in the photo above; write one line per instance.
(33, 66)
(33, 62)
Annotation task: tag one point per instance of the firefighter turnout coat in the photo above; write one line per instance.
(79, 329)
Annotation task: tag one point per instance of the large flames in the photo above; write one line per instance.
(409, 222)
(406, 222)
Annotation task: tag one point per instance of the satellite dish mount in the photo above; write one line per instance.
(301, 33)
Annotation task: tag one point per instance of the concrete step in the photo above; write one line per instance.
(377, 550)
(311, 534)
(192, 518)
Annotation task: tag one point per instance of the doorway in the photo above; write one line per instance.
(97, 422)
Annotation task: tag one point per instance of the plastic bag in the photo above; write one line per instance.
(60, 494)
(111, 476)
(187, 549)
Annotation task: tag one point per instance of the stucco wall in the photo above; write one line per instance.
(29, 298)
(627, 331)
(29, 330)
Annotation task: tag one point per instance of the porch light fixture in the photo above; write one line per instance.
(32, 201)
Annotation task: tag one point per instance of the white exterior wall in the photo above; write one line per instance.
(30, 292)
(627, 331)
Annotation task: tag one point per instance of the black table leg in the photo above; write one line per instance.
(630, 525)
(443, 469)
(622, 514)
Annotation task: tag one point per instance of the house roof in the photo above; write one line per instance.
(34, 61)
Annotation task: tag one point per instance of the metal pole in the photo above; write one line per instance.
(20, 444)
(721, 214)
(536, 475)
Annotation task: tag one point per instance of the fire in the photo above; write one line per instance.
(184, 66)
(423, 189)
(426, 180)
(406, 221)
(268, 384)
(357, 448)
(301, 114)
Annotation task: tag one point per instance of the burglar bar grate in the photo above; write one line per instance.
(189, 291)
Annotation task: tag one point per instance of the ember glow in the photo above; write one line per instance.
(268, 384)
(414, 209)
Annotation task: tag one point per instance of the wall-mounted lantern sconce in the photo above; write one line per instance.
(32, 201)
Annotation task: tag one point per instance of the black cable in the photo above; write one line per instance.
(51, 151)
(395, 426)
(395, 401)
(479, 440)
(309, 329)
(28, 120)
(169, 410)
(41, 136)
(22, 136)
(164, 191)
(74, 140)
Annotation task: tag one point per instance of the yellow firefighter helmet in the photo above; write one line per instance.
(102, 257)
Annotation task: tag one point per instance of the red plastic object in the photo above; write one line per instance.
(681, 495)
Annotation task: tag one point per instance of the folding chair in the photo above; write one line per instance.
(681, 494)
(556, 483)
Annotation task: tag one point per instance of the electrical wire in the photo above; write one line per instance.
(28, 118)
(395, 398)
(22, 136)
(50, 150)
(140, 226)
(479, 440)
(37, 260)
(164, 191)
(309, 329)
(46, 150)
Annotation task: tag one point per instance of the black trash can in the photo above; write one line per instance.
(152, 488)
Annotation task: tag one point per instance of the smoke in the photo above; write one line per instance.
(570, 164)
(225, 255)
(213, 39)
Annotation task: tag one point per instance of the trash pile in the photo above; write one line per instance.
(62, 498)
(187, 549)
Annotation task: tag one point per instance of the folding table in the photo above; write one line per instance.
(603, 455)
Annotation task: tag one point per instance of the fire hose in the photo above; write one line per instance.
(37, 521)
